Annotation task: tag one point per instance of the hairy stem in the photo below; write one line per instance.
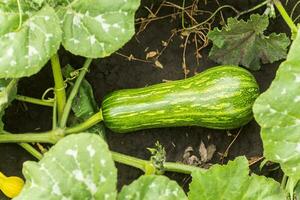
(73, 93)
(34, 100)
(60, 92)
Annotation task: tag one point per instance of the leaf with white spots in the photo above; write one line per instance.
(8, 91)
(97, 28)
(278, 113)
(149, 187)
(26, 49)
(79, 166)
(232, 181)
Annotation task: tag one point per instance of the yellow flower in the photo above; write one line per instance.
(11, 186)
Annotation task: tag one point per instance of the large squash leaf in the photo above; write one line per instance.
(244, 43)
(8, 91)
(232, 181)
(79, 166)
(149, 187)
(96, 28)
(25, 50)
(278, 113)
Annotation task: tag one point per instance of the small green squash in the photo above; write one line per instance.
(219, 98)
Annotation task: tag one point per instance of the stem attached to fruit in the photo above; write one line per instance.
(93, 120)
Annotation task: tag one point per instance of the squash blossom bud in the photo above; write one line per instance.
(11, 186)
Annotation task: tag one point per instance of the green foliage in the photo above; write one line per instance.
(84, 105)
(97, 31)
(25, 50)
(277, 111)
(8, 91)
(244, 43)
(233, 182)
(151, 187)
(36, 4)
(28, 39)
(79, 166)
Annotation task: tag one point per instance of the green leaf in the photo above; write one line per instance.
(79, 166)
(97, 28)
(232, 182)
(244, 43)
(8, 91)
(277, 112)
(36, 4)
(84, 104)
(26, 49)
(149, 187)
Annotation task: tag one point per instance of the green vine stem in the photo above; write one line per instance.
(283, 181)
(34, 101)
(54, 115)
(212, 16)
(286, 17)
(20, 15)
(31, 150)
(52, 136)
(67, 109)
(130, 161)
(144, 165)
(180, 168)
(60, 92)
(254, 8)
(47, 137)
(93, 120)
(55, 135)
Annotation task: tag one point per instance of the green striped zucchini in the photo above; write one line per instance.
(218, 98)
